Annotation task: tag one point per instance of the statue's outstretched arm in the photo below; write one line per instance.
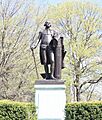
(32, 46)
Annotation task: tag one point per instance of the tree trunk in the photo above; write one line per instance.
(77, 89)
(77, 94)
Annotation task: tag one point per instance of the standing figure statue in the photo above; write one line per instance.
(48, 43)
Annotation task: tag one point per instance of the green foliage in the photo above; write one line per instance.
(81, 25)
(84, 111)
(19, 26)
(10, 110)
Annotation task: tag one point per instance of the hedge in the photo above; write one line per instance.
(83, 111)
(10, 110)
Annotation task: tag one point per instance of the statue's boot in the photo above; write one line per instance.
(46, 76)
(52, 72)
(52, 77)
(46, 71)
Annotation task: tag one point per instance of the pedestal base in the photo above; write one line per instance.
(50, 99)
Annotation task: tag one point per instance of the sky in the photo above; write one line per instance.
(99, 2)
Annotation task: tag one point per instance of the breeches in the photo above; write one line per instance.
(47, 55)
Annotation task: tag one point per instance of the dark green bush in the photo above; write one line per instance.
(83, 111)
(10, 110)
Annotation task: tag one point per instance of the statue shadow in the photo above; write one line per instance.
(44, 76)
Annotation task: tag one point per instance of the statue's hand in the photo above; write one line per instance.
(32, 47)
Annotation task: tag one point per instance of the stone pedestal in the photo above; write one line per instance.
(50, 99)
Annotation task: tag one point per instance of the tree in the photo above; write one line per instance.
(19, 23)
(81, 24)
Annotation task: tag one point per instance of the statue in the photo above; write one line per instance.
(51, 52)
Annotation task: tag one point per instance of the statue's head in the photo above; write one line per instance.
(47, 24)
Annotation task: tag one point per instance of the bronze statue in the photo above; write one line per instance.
(51, 52)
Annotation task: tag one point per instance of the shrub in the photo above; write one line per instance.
(10, 110)
(83, 111)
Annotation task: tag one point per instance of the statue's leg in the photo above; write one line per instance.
(46, 71)
(52, 64)
(44, 61)
(44, 57)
